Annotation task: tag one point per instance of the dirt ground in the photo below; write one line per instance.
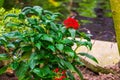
(100, 28)
(87, 73)
(90, 75)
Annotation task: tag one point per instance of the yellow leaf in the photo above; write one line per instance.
(54, 3)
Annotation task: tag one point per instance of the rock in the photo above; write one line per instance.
(105, 52)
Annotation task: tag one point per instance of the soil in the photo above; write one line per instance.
(101, 29)
(90, 75)
(8, 77)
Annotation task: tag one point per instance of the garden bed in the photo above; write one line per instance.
(99, 32)
(88, 75)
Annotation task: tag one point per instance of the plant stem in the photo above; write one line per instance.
(76, 48)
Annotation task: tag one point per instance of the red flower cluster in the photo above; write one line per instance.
(61, 78)
(56, 70)
(71, 23)
(60, 73)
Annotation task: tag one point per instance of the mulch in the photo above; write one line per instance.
(90, 75)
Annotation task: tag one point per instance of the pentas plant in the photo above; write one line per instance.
(60, 74)
(43, 49)
(71, 23)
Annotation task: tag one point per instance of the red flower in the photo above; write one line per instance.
(61, 78)
(63, 72)
(71, 23)
(56, 70)
(56, 78)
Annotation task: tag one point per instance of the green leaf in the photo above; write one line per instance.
(78, 72)
(12, 35)
(38, 45)
(72, 32)
(38, 28)
(63, 29)
(68, 65)
(84, 35)
(38, 10)
(11, 24)
(27, 48)
(21, 16)
(89, 56)
(89, 45)
(84, 43)
(47, 12)
(55, 15)
(69, 51)
(38, 72)
(71, 77)
(32, 21)
(53, 26)
(32, 39)
(51, 47)
(67, 42)
(26, 8)
(10, 15)
(59, 36)
(77, 61)
(33, 60)
(4, 56)
(42, 72)
(37, 37)
(80, 63)
(47, 38)
(21, 71)
(26, 55)
(3, 69)
(60, 46)
(10, 45)
(3, 40)
(14, 65)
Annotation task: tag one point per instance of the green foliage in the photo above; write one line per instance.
(86, 7)
(3, 56)
(1, 3)
(89, 56)
(82, 7)
(3, 69)
(7, 28)
(105, 5)
(37, 44)
(9, 4)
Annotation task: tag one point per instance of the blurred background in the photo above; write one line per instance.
(94, 16)
(88, 8)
